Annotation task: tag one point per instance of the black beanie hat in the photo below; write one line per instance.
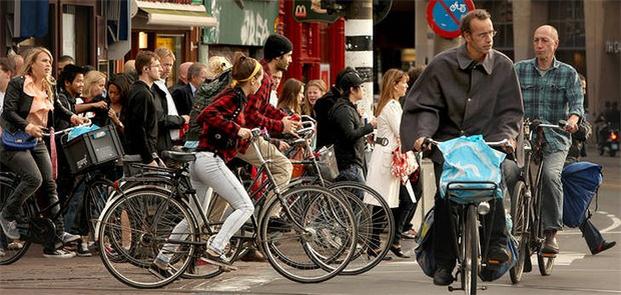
(275, 46)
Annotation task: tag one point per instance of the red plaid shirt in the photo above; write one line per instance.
(259, 112)
(217, 115)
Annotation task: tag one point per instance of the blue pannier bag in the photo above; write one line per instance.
(581, 180)
(424, 251)
(470, 159)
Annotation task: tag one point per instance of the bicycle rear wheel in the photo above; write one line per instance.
(325, 244)
(376, 225)
(520, 230)
(11, 250)
(135, 229)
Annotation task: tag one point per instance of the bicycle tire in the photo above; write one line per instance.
(13, 249)
(520, 230)
(369, 218)
(471, 255)
(98, 192)
(277, 244)
(151, 216)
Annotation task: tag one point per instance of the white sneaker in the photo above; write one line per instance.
(59, 253)
(9, 227)
(68, 238)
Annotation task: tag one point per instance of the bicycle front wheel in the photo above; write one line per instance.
(324, 245)
(11, 250)
(471, 255)
(376, 225)
(136, 228)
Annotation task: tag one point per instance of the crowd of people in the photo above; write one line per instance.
(468, 90)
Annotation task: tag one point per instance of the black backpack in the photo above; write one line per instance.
(205, 96)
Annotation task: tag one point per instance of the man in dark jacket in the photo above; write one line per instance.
(349, 129)
(141, 121)
(325, 130)
(467, 90)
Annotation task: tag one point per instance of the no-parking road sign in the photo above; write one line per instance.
(444, 16)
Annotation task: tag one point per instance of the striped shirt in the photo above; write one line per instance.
(551, 96)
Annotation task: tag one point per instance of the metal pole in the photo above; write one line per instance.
(359, 46)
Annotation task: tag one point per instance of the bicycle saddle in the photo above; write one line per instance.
(178, 156)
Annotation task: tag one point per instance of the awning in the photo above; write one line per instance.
(176, 15)
(30, 19)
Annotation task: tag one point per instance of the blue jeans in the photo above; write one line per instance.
(552, 191)
(353, 173)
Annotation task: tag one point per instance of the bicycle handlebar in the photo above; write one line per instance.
(65, 131)
(500, 143)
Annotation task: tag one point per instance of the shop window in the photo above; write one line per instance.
(568, 18)
(77, 39)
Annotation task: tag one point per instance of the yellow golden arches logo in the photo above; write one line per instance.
(300, 11)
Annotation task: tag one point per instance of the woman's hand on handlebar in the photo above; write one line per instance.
(77, 120)
(35, 131)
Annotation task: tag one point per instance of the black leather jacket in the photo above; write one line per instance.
(17, 107)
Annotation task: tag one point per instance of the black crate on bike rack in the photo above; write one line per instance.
(93, 148)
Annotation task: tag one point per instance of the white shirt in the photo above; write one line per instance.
(1, 101)
(170, 103)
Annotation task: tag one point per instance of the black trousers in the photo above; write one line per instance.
(443, 238)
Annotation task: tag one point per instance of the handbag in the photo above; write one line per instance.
(18, 141)
(403, 164)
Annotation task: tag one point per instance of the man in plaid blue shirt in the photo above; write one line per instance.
(552, 92)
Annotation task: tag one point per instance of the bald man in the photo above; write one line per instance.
(551, 90)
(183, 74)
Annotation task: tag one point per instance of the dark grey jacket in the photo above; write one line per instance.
(141, 122)
(349, 132)
(17, 107)
(457, 96)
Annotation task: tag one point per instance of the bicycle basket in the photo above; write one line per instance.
(469, 160)
(327, 163)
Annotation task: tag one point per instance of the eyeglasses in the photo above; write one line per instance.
(491, 34)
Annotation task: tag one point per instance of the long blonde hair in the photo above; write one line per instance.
(91, 79)
(391, 78)
(30, 59)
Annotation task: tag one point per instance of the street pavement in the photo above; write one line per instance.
(576, 271)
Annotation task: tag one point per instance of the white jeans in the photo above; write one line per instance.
(209, 171)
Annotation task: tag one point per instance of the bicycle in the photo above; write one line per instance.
(40, 229)
(137, 225)
(466, 213)
(376, 226)
(526, 205)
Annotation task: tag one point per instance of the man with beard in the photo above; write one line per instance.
(260, 113)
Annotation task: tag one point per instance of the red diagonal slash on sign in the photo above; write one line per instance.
(448, 10)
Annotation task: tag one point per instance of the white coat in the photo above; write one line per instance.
(379, 176)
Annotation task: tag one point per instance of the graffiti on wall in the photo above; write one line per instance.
(255, 29)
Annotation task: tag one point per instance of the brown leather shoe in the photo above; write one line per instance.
(550, 246)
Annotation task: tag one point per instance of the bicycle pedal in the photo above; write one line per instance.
(493, 262)
(549, 255)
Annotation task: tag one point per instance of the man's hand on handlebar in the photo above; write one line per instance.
(571, 125)
(244, 133)
(509, 147)
(420, 145)
(290, 125)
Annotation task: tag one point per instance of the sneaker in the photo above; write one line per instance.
(442, 277)
(58, 253)
(216, 258)
(9, 228)
(162, 273)
(82, 250)
(15, 245)
(68, 238)
(253, 255)
(603, 247)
